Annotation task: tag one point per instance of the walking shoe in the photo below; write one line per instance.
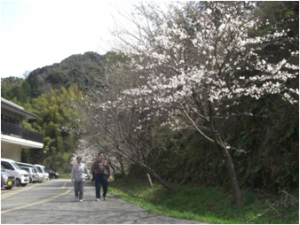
(97, 200)
(81, 200)
(104, 198)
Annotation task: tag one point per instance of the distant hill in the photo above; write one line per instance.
(78, 69)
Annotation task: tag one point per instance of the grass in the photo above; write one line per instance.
(212, 205)
(64, 175)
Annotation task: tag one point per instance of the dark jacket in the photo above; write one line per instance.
(99, 167)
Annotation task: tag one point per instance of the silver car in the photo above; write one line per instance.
(42, 168)
(39, 174)
(33, 175)
(7, 180)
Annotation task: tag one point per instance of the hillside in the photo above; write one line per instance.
(75, 69)
(46, 92)
(79, 68)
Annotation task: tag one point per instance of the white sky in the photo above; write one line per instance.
(35, 34)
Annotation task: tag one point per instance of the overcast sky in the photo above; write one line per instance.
(35, 34)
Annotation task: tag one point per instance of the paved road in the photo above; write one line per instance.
(53, 202)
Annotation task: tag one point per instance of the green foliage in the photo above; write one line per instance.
(50, 92)
(188, 158)
(64, 174)
(56, 78)
(79, 69)
(212, 205)
(15, 88)
(266, 156)
(35, 84)
(7, 84)
(54, 113)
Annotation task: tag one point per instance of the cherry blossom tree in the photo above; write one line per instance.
(197, 62)
(87, 151)
(110, 124)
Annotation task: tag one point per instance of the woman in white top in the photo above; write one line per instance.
(78, 174)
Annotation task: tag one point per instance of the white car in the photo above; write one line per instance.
(33, 176)
(38, 171)
(42, 168)
(22, 177)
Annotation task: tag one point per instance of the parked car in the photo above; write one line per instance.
(52, 174)
(7, 180)
(39, 173)
(42, 168)
(22, 177)
(33, 176)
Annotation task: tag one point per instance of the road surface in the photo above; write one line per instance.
(53, 202)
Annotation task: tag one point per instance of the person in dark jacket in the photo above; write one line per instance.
(101, 171)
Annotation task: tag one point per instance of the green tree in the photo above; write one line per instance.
(53, 116)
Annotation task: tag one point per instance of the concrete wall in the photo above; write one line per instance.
(11, 151)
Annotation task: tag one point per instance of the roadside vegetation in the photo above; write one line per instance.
(211, 205)
(65, 175)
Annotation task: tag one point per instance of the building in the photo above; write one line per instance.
(13, 136)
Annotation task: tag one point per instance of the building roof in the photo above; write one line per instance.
(5, 104)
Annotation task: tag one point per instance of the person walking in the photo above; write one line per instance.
(79, 171)
(101, 172)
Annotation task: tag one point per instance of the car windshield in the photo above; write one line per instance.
(39, 169)
(35, 169)
(24, 168)
(15, 165)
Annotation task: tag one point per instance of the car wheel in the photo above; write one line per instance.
(18, 182)
(8, 188)
(23, 185)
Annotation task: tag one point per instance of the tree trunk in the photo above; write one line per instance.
(157, 177)
(113, 168)
(237, 196)
(233, 178)
(122, 169)
(149, 180)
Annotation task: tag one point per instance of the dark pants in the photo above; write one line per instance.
(101, 180)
